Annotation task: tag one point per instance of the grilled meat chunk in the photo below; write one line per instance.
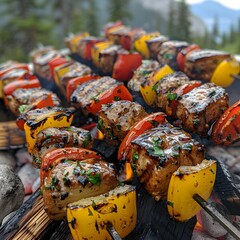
(167, 85)
(108, 56)
(154, 45)
(69, 181)
(29, 96)
(89, 91)
(201, 64)
(142, 72)
(116, 119)
(158, 152)
(199, 108)
(52, 138)
(169, 51)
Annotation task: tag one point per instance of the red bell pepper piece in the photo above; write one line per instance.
(54, 63)
(125, 65)
(172, 105)
(73, 83)
(182, 55)
(45, 101)
(11, 87)
(116, 93)
(61, 154)
(140, 127)
(14, 66)
(226, 129)
(110, 25)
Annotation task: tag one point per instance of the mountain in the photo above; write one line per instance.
(209, 9)
(161, 7)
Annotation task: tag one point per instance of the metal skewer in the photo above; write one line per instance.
(114, 234)
(217, 216)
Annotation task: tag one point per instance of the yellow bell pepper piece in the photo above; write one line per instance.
(141, 44)
(40, 119)
(88, 218)
(59, 72)
(224, 73)
(74, 41)
(184, 183)
(147, 90)
(95, 50)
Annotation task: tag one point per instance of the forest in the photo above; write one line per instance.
(27, 23)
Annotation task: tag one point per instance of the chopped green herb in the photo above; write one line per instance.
(196, 122)
(233, 118)
(135, 157)
(94, 204)
(121, 183)
(229, 137)
(116, 98)
(66, 174)
(175, 154)
(187, 147)
(211, 94)
(90, 212)
(23, 108)
(155, 87)
(95, 99)
(100, 123)
(54, 181)
(95, 179)
(157, 151)
(133, 165)
(90, 171)
(119, 127)
(170, 203)
(171, 96)
(154, 123)
(68, 128)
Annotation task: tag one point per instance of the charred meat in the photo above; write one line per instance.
(158, 152)
(199, 108)
(115, 119)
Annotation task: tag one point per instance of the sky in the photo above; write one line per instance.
(234, 4)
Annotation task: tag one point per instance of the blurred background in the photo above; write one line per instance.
(25, 24)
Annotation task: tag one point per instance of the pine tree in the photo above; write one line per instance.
(215, 33)
(171, 20)
(183, 22)
(25, 25)
(118, 10)
(91, 18)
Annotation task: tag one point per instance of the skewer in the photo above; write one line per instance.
(113, 233)
(217, 216)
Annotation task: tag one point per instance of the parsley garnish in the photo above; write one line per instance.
(95, 179)
(171, 96)
(100, 123)
(135, 157)
(116, 98)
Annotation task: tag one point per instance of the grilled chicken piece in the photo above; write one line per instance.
(201, 64)
(70, 181)
(158, 152)
(199, 108)
(142, 72)
(108, 56)
(52, 138)
(116, 119)
(167, 85)
(89, 91)
(169, 51)
(154, 45)
(29, 96)
(76, 70)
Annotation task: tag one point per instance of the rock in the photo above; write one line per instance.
(36, 185)
(11, 191)
(23, 156)
(199, 235)
(210, 226)
(7, 159)
(28, 174)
